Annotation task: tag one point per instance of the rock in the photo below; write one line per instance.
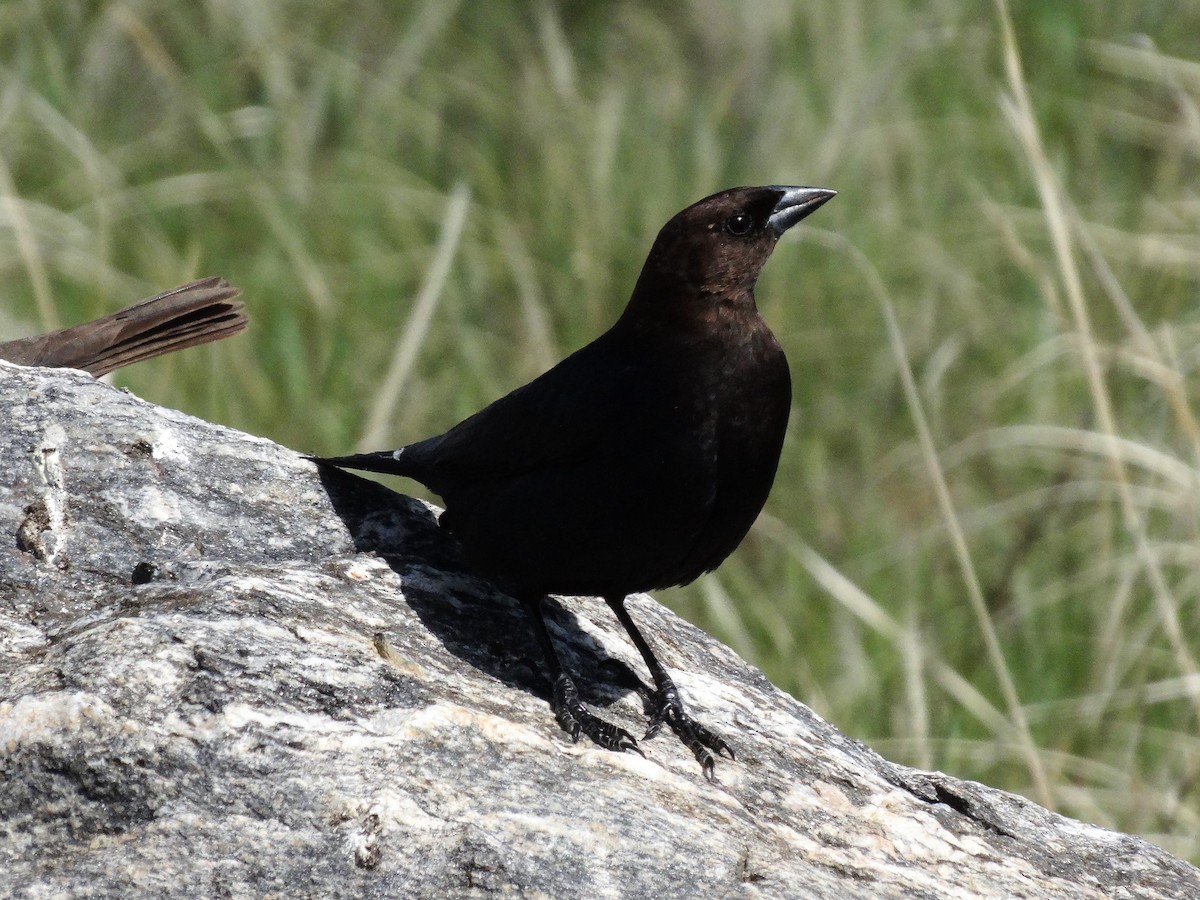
(223, 673)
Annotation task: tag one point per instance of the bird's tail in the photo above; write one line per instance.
(195, 313)
(386, 462)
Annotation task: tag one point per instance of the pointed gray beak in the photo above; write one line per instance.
(795, 203)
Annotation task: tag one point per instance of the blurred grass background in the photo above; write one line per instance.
(981, 553)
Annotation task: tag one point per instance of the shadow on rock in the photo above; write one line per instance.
(471, 617)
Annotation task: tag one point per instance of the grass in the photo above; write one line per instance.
(981, 551)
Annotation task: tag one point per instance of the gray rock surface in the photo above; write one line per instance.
(223, 674)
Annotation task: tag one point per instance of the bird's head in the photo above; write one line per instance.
(712, 252)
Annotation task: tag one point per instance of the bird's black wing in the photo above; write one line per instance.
(561, 417)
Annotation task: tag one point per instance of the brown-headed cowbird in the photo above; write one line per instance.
(192, 314)
(639, 461)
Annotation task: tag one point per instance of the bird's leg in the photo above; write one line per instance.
(668, 707)
(569, 710)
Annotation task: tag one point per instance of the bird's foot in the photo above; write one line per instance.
(576, 719)
(702, 741)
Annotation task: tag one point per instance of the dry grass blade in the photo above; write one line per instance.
(1019, 111)
(417, 327)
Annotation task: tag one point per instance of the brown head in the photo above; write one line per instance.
(713, 251)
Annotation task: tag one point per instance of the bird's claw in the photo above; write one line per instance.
(701, 740)
(576, 719)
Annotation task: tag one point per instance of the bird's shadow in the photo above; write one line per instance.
(466, 612)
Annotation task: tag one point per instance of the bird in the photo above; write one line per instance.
(639, 461)
(191, 314)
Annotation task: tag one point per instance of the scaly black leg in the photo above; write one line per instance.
(668, 707)
(569, 711)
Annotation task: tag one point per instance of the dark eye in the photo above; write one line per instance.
(739, 224)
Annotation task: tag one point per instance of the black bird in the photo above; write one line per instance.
(194, 313)
(639, 461)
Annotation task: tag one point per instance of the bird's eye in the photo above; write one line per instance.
(739, 224)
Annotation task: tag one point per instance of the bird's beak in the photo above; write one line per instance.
(795, 203)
